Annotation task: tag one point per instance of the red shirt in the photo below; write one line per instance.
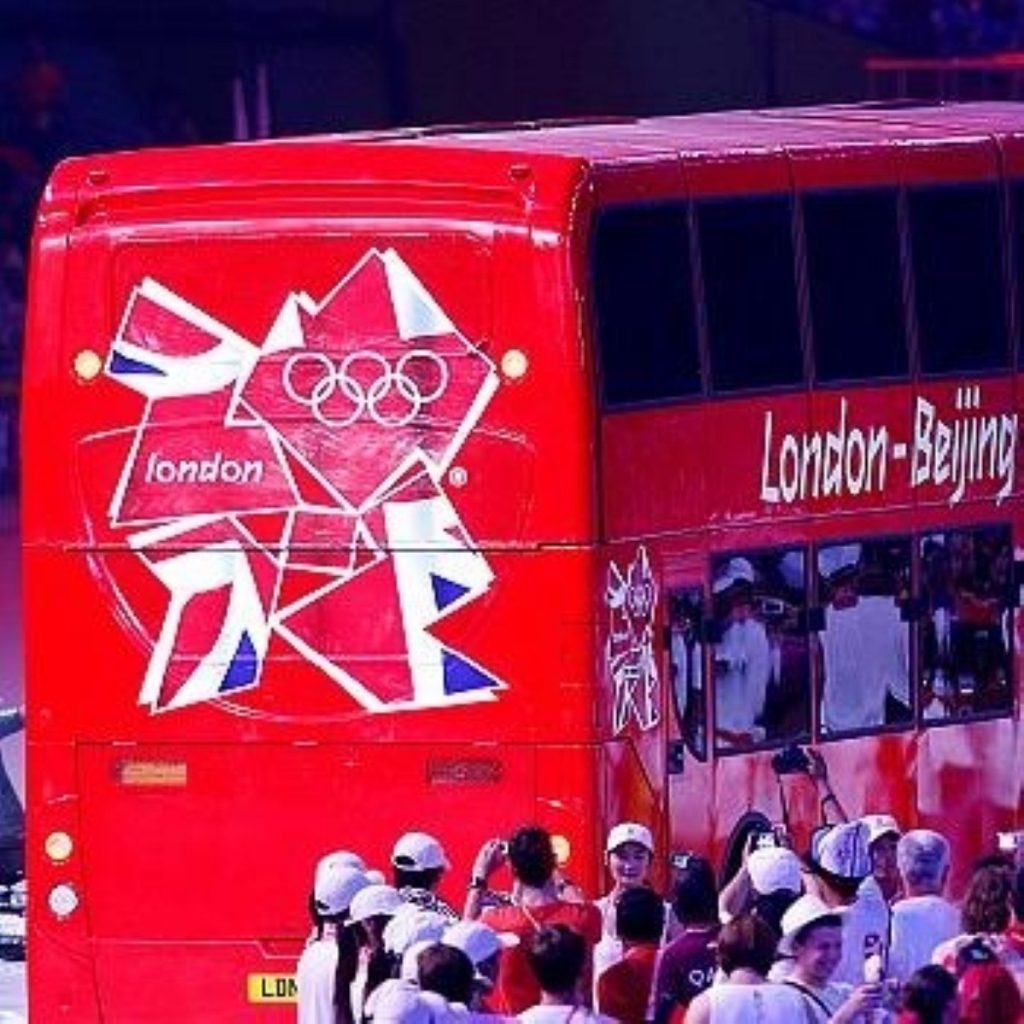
(624, 988)
(517, 988)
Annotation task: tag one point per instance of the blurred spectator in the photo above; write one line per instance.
(419, 863)
(746, 948)
(883, 837)
(987, 991)
(629, 851)
(929, 997)
(483, 945)
(624, 989)
(447, 971)
(557, 957)
(687, 964)
(531, 857)
(924, 919)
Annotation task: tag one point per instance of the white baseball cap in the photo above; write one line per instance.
(629, 832)
(773, 869)
(335, 887)
(843, 851)
(398, 1001)
(801, 913)
(375, 901)
(836, 558)
(410, 924)
(879, 825)
(417, 851)
(339, 858)
(477, 940)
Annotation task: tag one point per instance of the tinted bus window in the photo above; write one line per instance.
(966, 639)
(686, 620)
(750, 293)
(761, 667)
(853, 271)
(864, 646)
(646, 330)
(956, 241)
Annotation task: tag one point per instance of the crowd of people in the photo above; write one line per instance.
(859, 928)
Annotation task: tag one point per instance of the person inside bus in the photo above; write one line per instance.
(813, 936)
(840, 862)
(742, 658)
(865, 644)
(329, 963)
(687, 964)
(924, 918)
(419, 863)
(537, 904)
(629, 852)
(745, 951)
(624, 989)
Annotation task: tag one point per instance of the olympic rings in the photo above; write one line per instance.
(337, 380)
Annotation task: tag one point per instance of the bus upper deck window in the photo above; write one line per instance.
(750, 292)
(853, 272)
(643, 287)
(956, 242)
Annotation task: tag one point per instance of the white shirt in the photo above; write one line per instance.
(866, 651)
(919, 924)
(315, 979)
(743, 666)
(562, 1014)
(867, 917)
(754, 1004)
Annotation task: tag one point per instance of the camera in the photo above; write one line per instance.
(1009, 842)
(791, 760)
(765, 840)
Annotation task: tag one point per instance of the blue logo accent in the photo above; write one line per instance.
(460, 676)
(446, 592)
(122, 364)
(242, 671)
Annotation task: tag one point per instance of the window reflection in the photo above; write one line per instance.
(760, 652)
(967, 626)
(687, 655)
(865, 643)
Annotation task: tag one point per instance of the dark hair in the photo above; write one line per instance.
(695, 895)
(425, 878)
(769, 907)
(531, 855)
(746, 941)
(556, 956)
(345, 972)
(986, 905)
(1017, 898)
(639, 915)
(928, 991)
(447, 971)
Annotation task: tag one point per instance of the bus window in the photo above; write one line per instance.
(966, 639)
(957, 252)
(760, 655)
(864, 647)
(686, 619)
(647, 334)
(750, 293)
(853, 272)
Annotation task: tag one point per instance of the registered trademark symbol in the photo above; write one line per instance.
(458, 477)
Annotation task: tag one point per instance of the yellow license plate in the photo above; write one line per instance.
(272, 988)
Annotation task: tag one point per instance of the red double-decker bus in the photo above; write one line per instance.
(562, 473)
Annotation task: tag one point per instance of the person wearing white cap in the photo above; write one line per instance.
(865, 644)
(329, 961)
(629, 851)
(483, 945)
(419, 862)
(883, 836)
(840, 863)
(812, 934)
(924, 918)
(369, 913)
(742, 658)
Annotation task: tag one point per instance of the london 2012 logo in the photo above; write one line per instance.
(292, 493)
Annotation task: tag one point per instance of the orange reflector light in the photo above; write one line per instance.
(151, 773)
(58, 846)
(563, 849)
